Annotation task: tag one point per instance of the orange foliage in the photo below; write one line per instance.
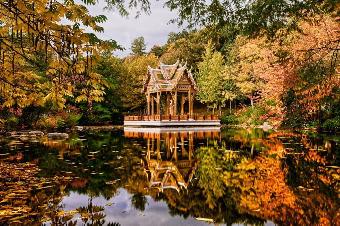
(278, 62)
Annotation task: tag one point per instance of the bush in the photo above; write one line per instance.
(98, 115)
(229, 119)
(252, 115)
(11, 122)
(331, 124)
(60, 121)
(72, 119)
(48, 122)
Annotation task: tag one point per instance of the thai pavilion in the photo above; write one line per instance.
(170, 91)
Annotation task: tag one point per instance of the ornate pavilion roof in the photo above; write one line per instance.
(167, 77)
(169, 175)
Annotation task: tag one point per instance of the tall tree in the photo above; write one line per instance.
(138, 46)
(131, 82)
(210, 78)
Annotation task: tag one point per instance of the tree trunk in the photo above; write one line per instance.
(230, 106)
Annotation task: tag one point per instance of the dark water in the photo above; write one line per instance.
(228, 177)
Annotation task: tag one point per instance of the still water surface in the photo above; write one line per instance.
(228, 177)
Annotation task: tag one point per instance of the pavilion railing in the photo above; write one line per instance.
(170, 117)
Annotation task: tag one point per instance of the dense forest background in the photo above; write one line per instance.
(254, 62)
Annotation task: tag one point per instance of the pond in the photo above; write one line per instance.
(150, 177)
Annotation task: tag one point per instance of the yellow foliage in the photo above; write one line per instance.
(42, 59)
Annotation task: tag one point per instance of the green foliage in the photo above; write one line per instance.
(72, 119)
(294, 112)
(187, 46)
(251, 116)
(210, 78)
(210, 178)
(228, 119)
(157, 50)
(131, 81)
(11, 122)
(99, 114)
(332, 124)
(250, 17)
(138, 46)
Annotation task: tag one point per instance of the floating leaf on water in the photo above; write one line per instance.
(334, 167)
(205, 219)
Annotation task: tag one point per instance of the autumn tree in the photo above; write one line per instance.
(186, 46)
(44, 60)
(131, 82)
(157, 50)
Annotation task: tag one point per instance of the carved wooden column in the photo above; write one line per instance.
(182, 104)
(148, 100)
(158, 103)
(152, 105)
(175, 103)
(192, 103)
(189, 98)
(167, 104)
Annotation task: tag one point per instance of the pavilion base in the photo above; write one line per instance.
(166, 123)
(129, 129)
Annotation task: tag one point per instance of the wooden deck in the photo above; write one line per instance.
(172, 120)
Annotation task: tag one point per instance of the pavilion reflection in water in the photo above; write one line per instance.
(169, 162)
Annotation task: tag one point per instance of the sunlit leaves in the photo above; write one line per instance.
(45, 59)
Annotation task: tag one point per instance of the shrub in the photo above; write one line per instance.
(11, 122)
(253, 115)
(48, 122)
(229, 119)
(72, 119)
(331, 124)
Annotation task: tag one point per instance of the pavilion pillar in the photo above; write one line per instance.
(192, 103)
(152, 105)
(175, 103)
(158, 103)
(182, 104)
(189, 98)
(167, 104)
(148, 103)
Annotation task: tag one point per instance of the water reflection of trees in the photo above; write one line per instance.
(237, 176)
(248, 176)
